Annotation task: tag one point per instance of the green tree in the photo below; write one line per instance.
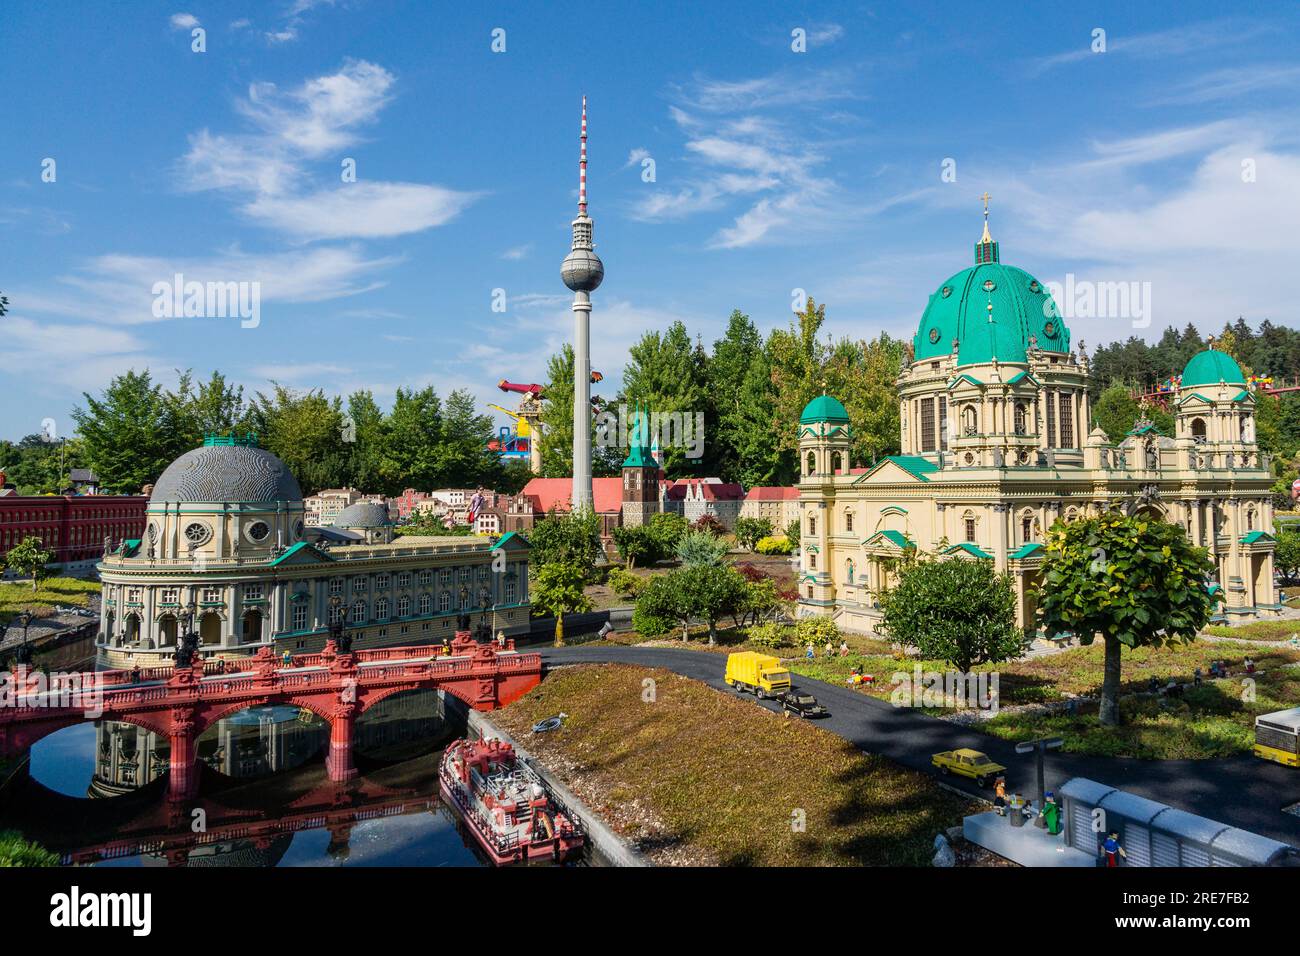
(463, 456)
(130, 433)
(1136, 581)
(659, 607)
(557, 416)
(1115, 412)
(214, 406)
(557, 588)
(29, 558)
(749, 530)
(667, 529)
(709, 591)
(305, 430)
(636, 543)
(412, 450)
(666, 374)
(564, 538)
(364, 429)
(1286, 553)
(956, 610)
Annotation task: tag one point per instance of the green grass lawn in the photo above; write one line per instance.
(16, 596)
(1216, 720)
(722, 777)
(1258, 631)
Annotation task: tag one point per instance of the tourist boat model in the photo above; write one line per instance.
(504, 804)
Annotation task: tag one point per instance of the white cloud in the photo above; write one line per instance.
(363, 210)
(184, 21)
(1177, 41)
(118, 287)
(517, 253)
(318, 118)
(739, 153)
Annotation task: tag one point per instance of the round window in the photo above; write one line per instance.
(257, 531)
(947, 291)
(297, 531)
(1049, 329)
(1034, 286)
(197, 532)
(989, 285)
(934, 336)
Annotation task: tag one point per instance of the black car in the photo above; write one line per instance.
(802, 705)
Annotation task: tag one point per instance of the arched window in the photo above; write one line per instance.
(968, 522)
(1198, 429)
(403, 606)
(836, 463)
(1026, 528)
(848, 521)
(1021, 414)
(381, 609)
(970, 421)
(812, 463)
(359, 612)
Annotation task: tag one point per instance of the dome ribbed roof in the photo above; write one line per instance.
(363, 514)
(1212, 367)
(823, 408)
(221, 473)
(958, 309)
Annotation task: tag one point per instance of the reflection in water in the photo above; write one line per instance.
(265, 797)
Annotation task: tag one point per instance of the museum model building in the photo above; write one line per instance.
(226, 553)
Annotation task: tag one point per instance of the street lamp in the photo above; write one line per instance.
(1038, 748)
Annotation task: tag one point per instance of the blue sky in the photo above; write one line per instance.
(774, 170)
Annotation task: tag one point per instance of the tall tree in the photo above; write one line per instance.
(411, 453)
(130, 432)
(305, 429)
(1135, 580)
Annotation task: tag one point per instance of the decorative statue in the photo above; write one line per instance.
(462, 620)
(187, 650)
(344, 641)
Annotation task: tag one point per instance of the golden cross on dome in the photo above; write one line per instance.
(986, 237)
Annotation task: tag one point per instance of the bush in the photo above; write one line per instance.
(710, 524)
(624, 582)
(699, 548)
(656, 608)
(771, 634)
(774, 545)
(816, 630)
(15, 851)
(750, 530)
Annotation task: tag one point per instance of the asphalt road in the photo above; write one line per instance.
(1242, 791)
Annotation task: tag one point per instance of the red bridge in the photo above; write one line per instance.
(181, 703)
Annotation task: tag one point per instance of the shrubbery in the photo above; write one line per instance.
(624, 582)
(816, 630)
(771, 634)
(774, 544)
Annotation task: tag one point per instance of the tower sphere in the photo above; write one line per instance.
(582, 270)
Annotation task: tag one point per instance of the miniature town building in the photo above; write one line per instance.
(998, 443)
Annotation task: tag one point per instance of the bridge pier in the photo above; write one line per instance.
(339, 760)
(182, 768)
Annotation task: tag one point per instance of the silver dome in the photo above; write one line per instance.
(363, 514)
(582, 270)
(226, 473)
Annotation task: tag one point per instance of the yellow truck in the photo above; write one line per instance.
(761, 674)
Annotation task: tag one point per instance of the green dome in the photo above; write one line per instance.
(958, 309)
(823, 408)
(1211, 368)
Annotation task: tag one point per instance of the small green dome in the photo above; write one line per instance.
(823, 408)
(1211, 368)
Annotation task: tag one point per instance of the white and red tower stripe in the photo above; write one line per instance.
(582, 164)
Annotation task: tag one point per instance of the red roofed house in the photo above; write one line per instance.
(778, 505)
(541, 495)
(693, 498)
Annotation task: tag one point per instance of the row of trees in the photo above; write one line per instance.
(750, 389)
(132, 430)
